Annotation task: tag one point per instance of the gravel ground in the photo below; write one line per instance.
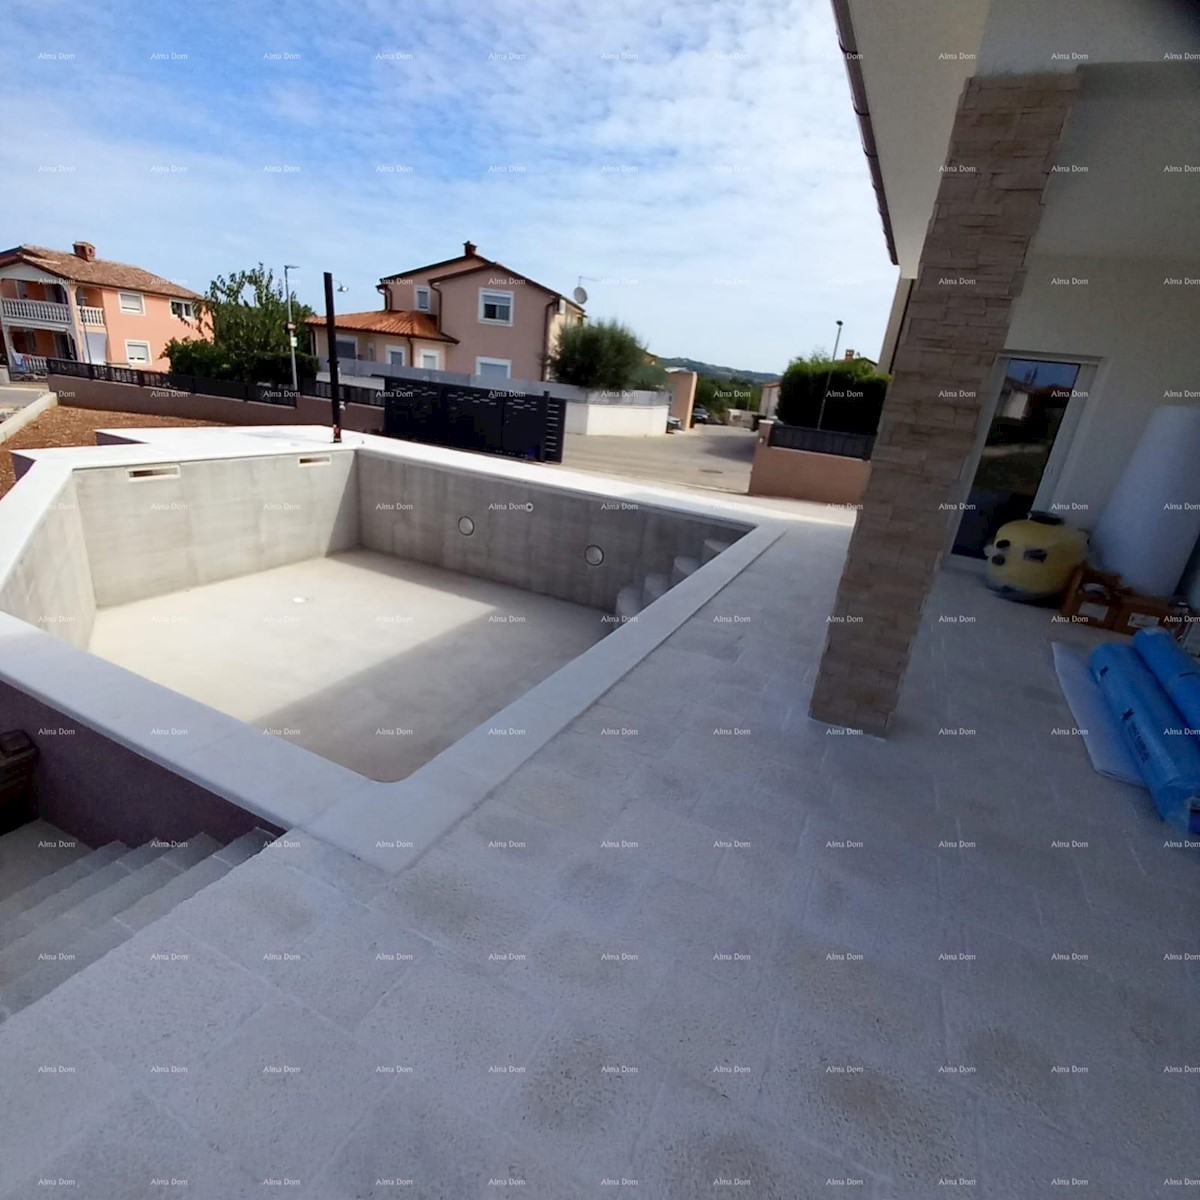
(74, 427)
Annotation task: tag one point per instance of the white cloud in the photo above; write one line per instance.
(703, 156)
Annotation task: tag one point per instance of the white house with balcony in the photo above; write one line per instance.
(73, 305)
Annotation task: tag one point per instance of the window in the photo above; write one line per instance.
(495, 308)
(422, 299)
(181, 309)
(346, 347)
(131, 302)
(431, 360)
(137, 354)
(396, 356)
(493, 368)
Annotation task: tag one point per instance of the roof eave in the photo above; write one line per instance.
(858, 93)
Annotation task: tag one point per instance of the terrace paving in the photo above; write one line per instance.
(732, 952)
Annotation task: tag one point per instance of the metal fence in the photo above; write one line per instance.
(170, 381)
(822, 441)
(492, 420)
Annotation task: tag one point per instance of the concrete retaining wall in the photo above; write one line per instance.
(100, 791)
(125, 397)
(803, 475)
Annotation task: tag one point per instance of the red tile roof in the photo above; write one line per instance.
(99, 271)
(400, 322)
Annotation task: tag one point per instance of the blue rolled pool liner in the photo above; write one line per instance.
(1153, 728)
(1176, 671)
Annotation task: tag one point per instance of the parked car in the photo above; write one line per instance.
(674, 424)
(700, 416)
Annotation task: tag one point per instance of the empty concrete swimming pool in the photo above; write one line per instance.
(299, 627)
(371, 661)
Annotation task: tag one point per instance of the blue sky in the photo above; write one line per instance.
(699, 161)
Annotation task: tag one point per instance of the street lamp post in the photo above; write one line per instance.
(829, 375)
(331, 339)
(291, 328)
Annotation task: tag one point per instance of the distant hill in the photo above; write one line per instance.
(703, 368)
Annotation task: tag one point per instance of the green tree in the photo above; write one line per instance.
(850, 393)
(604, 355)
(247, 314)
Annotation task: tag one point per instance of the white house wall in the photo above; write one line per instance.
(1143, 331)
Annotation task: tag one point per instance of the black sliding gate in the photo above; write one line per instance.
(519, 424)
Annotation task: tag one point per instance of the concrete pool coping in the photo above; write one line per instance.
(386, 824)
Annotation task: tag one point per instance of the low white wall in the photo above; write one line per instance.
(1143, 331)
(617, 420)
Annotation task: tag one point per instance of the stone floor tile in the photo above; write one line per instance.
(459, 1028)
(280, 1095)
(585, 1100)
(137, 1149)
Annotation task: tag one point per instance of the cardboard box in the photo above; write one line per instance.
(1092, 597)
(1142, 612)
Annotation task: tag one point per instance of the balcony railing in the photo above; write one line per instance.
(27, 364)
(49, 312)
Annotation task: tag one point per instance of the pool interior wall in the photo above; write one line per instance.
(119, 535)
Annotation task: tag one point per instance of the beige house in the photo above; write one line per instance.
(466, 314)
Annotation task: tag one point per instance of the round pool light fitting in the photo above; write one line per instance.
(466, 526)
(593, 556)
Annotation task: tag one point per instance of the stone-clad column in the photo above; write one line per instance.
(1002, 147)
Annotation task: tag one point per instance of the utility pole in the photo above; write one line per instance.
(331, 338)
(829, 375)
(291, 328)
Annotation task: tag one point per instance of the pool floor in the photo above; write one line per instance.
(373, 662)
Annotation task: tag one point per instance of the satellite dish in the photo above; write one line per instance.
(580, 295)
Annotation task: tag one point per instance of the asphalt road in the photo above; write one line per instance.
(708, 456)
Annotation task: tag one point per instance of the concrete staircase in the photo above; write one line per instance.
(633, 597)
(62, 906)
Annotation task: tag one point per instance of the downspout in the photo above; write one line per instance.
(546, 338)
(858, 94)
(433, 287)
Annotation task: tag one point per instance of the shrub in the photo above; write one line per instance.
(197, 357)
(605, 355)
(853, 403)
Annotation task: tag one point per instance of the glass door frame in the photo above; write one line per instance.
(1090, 371)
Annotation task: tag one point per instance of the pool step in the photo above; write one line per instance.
(713, 547)
(656, 585)
(682, 567)
(57, 925)
(629, 602)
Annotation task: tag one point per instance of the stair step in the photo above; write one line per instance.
(184, 855)
(53, 936)
(682, 567)
(629, 601)
(139, 856)
(656, 585)
(713, 547)
(245, 847)
(55, 893)
(43, 976)
(32, 851)
(183, 887)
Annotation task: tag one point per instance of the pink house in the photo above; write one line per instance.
(466, 314)
(73, 305)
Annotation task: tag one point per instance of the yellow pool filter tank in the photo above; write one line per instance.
(1031, 560)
